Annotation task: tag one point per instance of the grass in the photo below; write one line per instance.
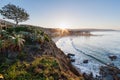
(43, 68)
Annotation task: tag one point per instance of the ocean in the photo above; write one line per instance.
(96, 49)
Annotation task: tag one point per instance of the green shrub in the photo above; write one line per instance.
(17, 29)
(46, 38)
(22, 56)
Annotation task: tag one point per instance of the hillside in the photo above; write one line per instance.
(58, 32)
(29, 53)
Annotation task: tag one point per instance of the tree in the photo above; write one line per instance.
(15, 13)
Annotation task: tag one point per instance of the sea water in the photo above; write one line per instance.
(96, 49)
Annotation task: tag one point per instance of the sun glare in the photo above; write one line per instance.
(63, 26)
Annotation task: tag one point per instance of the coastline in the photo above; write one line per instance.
(55, 39)
(102, 69)
(85, 75)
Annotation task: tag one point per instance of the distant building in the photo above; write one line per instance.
(4, 24)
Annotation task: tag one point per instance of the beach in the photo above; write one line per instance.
(95, 49)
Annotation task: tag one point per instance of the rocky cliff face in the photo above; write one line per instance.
(50, 49)
(110, 73)
(64, 61)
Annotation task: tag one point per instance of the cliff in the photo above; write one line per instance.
(38, 58)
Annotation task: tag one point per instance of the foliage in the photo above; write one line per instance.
(10, 41)
(41, 68)
(14, 39)
(46, 38)
(25, 66)
(17, 29)
(17, 42)
(14, 12)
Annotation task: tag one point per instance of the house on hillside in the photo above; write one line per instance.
(4, 24)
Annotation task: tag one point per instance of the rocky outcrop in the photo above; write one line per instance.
(112, 57)
(85, 61)
(89, 76)
(49, 48)
(52, 50)
(110, 73)
(69, 54)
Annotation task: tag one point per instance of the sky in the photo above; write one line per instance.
(101, 14)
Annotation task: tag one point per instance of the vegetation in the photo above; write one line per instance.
(14, 39)
(15, 13)
(18, 49)
(44, 68)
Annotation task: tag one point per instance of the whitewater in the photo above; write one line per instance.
(96, 49)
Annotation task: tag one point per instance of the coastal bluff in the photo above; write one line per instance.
(36, 58)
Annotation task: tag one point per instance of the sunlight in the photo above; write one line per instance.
(63, 26)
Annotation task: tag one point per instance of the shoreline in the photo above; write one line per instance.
(101, 68)
(55, 39)
(85, 75)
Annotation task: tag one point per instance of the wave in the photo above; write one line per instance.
(94, 49)
(87, 54)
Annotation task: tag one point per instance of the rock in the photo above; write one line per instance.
(112, 57)
(85, 61)
(64, 61)
(110, 64)
(110, 73)
(72, 60)
(88, 76)
(70, 55)
(108, 77)
(118, 75)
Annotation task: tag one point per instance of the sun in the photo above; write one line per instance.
(63, 26)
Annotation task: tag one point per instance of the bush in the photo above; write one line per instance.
(17, 29)
(22, 56)
(46, 38)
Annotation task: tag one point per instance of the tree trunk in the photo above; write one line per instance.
(16, 22)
